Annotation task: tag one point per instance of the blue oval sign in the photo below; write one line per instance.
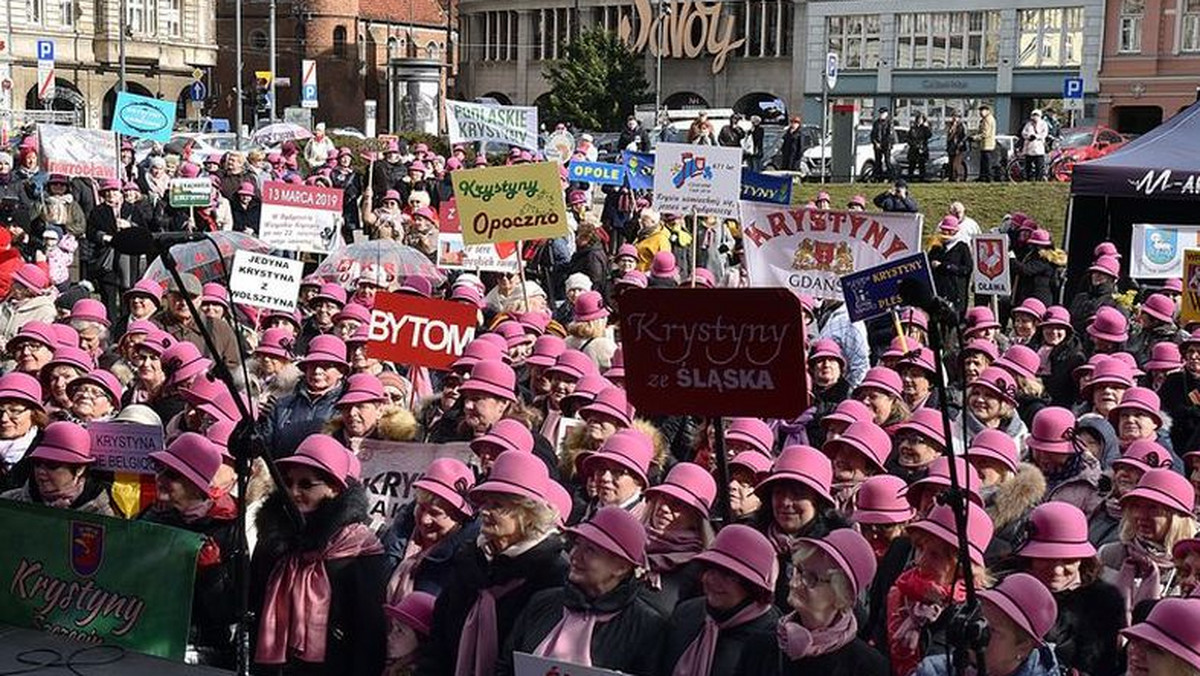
(144, 117)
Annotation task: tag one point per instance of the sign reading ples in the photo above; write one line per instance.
(714, 352)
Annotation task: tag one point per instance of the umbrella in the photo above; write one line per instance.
(274, 134)
(386, 259)
(200, 258)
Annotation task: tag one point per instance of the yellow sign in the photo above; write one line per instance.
(1189, 311)
(264, 77)
(509, 204)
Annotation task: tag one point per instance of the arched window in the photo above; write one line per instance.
(339, 41)
(432, 50)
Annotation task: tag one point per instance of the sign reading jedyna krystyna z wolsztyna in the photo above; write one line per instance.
(506, 125)
(509, 204)
(266, 281)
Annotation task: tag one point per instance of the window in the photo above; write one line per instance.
(140, 16)
(1130, 23)
(339, 41)
(1189, 38)
(855, 39)
(66, 10)
(35, 10)
(433, 51)
(765, 25)
(939, 112)
(948, 40)
(500, 36)
(1050, 38)
(171, 19)
(554, 27)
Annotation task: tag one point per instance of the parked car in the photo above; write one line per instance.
(818, 157)
(938, 167)
(810, 136)
(1081, 144)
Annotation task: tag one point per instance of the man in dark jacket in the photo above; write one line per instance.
(730, 135)
(918, 148)
(176, 320)
(792, 150)
(633, 137)
(897, 199)
(882, 137)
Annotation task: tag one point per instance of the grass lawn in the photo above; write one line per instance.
(985, 202)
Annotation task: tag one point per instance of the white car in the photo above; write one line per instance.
(818, 157)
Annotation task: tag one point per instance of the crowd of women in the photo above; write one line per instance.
(1073, 436)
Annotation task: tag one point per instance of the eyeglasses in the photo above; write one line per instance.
(810, 579)
(27, 346)
(13, 412)
(90, 391)
(303, 484)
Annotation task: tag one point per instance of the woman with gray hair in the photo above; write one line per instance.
(518, 553)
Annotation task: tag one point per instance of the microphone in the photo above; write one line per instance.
(139, 241)
(916, 293)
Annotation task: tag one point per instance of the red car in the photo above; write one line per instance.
(1080, 144)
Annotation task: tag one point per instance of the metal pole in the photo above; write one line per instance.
(237, 77)
(391, 49)
(658, 67)
(271, 102)
(826, 150)
(121, 26)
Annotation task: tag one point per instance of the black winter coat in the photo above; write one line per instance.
(591, 261)
(629, 643)
(357, 629)
(675, 586)
(1185, 415)
(1061, 385)
(1033, 277)
(1085, 635)
(894, 561)
(437, 565)
(952, 265)
(825, 401)
(214, 594)
(1085, 303)
(542, 567)
(823, 523)
(853, 659)
(736, 646)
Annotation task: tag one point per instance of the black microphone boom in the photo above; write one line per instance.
(138, 241)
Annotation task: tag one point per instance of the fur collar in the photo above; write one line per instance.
(395, 424)
(278, 534)
(1015, 497)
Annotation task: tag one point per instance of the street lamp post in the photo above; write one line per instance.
(122, 26)
(271, 102)
(658, 61)
(237, 81)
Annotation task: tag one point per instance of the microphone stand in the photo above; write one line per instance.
(244, 445)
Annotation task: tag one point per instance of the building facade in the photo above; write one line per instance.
(167, 42)
(353, 42)
(924, 55)
(1151, 62)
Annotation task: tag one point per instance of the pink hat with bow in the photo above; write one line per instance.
(1053, 431)
(804, 465)
(1109, 324)
(1057, 316)
(881, 378)
(476, 351)
(848, 412)
(616, 531)
(585, 392)
(880, 500)
(745, 552)
(1108, 371)
(1164, 356)
(1141, 400)
(980, 318)
(1143, 455)
(1027, 602)
(415, 610)
(1107, 265)
(940, 524)
(589, 305)
(926, 422)
(31, 277)
(353, 311)
(827, 348)
(1159, 307)
(276, 342)
(89, 310)
(756, 463)
(1056, 530)
(572, 364)
(105, 380)
(182, 361)
(1164, 487)
(690, 484)
(754, 432)
(362, 388)
(325, 349)
(1031, 307)
(982, 346)
(450, 479)
(1020, 361)
(997, 381)
(331, 292)
(546, 350)
(193, 457)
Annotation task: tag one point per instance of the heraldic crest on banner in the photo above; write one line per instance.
(823, 256)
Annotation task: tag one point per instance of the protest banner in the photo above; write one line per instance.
(509, 204)
(262, 280)
(124, 447)
(508, 125)
(76, 151)
(809, 250)
(184, 193)
(704, 180)
(389, 469)
(525, 664)
(143, 117)
(1157, 250)
(876, 291)
(991, 273)
(714, 352)
(300, 217)
(1189, 307)
(96, 579)
(768, 188)
(639, 169)
(600, 173)
(453, 254)
(408, 329)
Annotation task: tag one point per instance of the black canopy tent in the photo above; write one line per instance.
(1154, 179)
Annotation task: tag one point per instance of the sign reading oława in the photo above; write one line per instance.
(714, 352)
(84, 577)
(507, 125)
(408, 329)
(991, 274)
(509, 204)
(809, 250)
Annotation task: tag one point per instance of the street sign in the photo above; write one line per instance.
(831, 69)
(45, 54)
(1073, 88)
(1072, 105)
(263, 77)
(197, 74)
(197, 92)
(308, 83)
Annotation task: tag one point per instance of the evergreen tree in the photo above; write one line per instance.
(596, 84)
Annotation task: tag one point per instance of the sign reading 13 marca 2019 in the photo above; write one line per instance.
(508, 204)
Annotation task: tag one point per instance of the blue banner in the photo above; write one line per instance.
(768, 188)
(876, 291)
(639, 169)
(602, 173)
(143, 117)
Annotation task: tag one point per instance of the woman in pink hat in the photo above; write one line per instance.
(68, 364)
(1009, 488)
(149, 385)
(857, 454)
(188, 500)
(273, 375)
(90, 319)
(1155, 516)
(1055, 448)
(991, 404)
(718, 633)
(322, 307)
(1055, 550)
(797, 503)
(1100, 291)
(28, 300)
(1022, 363)
(1187, 562)
(882, 392)
(546, 350)
(617, 474)
(32, 347)
(746, 470)
(95, 397)
(608, 413)
(1155, 324)
(22, 419)
(830, 387)
(361, 361)
(1025, 318)
(600, 618)
(409, 624)
(517, 554)
(311, 405)
(60, 475)
(1139, 417)
(933, 581)
(1166, 643)
(322, 586)
(1165, 359)
(917, 372)
(676, 520)
(589, 332)
(820, 634)
(919, 441)
(976, 356)
(951, 262)
(365, 412)
(214, 301)
(1060, 353)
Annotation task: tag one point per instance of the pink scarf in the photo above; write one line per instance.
(549, 429)
(295, 616)
(697, 659)
(401, 584)
(571, 639)
(782, 541)
(798, 642)
(669, 550)
(1141, 575)
(845, 495)
(478, 647)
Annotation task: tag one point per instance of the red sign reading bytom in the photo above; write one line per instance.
(409, 329)
(714, 352)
